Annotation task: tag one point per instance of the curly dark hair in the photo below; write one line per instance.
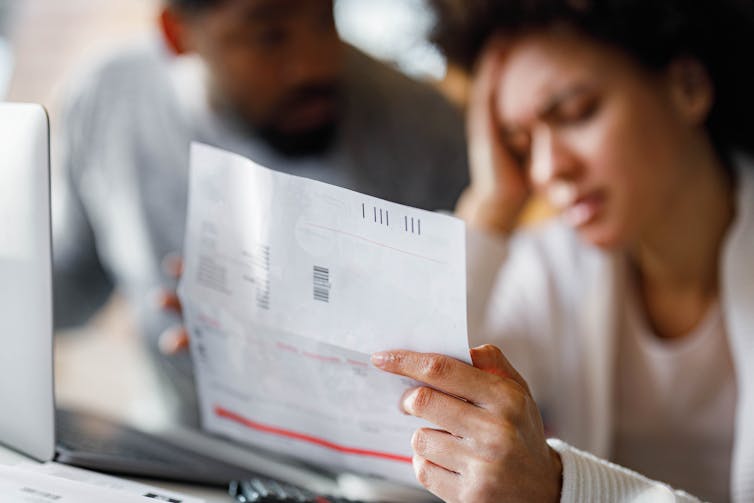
(719, 34)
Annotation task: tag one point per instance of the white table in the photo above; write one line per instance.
(9, 457)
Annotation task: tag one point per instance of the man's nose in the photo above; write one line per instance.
(314, 61)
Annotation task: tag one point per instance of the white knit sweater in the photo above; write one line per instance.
(553, 309)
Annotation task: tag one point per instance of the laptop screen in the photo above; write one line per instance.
(26, 384)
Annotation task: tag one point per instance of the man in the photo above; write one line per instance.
(272, 82)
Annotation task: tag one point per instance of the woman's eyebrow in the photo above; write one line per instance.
(549, 108)
(509, 131)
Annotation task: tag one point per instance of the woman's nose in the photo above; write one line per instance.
(549, 160)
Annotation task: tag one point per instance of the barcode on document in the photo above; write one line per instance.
(321, 276)
(162, 498)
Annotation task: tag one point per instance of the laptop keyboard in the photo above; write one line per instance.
(94, 442)
(84, 433)
(90, 434)
(265, 490)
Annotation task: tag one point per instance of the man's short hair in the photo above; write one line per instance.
(193, 5)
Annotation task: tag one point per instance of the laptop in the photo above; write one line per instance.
(6, 64)
(30, 422)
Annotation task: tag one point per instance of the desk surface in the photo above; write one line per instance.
(8, 457)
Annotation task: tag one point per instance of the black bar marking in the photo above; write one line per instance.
(419, 223)
(363, 211)
(321, 283)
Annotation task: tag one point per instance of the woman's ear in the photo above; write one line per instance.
(174, 31)
(691, 90)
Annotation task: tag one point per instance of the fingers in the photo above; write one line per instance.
(172, 265)
(481, 126)
(442, 449)
(490, 359)
(449, 413)
(169, 301)
(499, 186)
(486, 78)
(441, 372)
(439, 481)
(498, 387)
(173, 341)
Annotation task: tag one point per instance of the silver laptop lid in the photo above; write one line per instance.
(27, 421)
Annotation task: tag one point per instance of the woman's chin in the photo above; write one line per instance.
(602, 236)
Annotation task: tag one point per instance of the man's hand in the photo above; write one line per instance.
(175, 339)
(489, 445)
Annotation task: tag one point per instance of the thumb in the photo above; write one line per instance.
(490, 359)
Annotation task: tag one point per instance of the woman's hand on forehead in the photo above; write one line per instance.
(499, 187)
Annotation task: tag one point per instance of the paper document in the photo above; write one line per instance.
(150, 493)
(289, 285)
(29, 484)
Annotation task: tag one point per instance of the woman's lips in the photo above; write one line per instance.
(578, 207)
(584, 209)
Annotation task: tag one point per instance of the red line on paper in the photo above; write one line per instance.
(287, 347)
(357, 363)
(322, 358)
(376, 243)
(232, 416)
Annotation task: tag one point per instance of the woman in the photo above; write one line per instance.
(631, 317)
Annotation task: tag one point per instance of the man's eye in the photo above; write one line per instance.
(269, 37)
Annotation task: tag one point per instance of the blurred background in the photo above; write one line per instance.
(51, 39)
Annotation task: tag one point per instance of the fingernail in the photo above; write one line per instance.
(407, 402)
(380, 359)
(169, 341)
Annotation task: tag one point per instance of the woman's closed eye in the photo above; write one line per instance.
(574, 110)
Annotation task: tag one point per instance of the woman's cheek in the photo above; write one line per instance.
(601, 147)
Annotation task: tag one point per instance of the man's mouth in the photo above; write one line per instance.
(310, 114)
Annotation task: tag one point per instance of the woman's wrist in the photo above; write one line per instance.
(558, 471)
(489, 212)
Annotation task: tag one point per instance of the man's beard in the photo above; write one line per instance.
(304, 143)
(309, 143)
